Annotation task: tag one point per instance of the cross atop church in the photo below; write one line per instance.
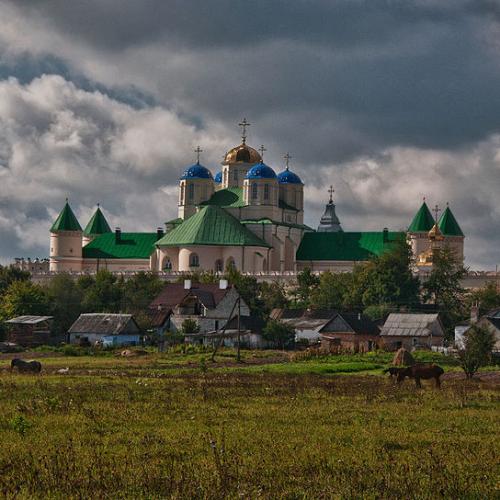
(244, 124)
(436, 211)
(262, 149)
(331, 191)
(287, 159)
(198, 150)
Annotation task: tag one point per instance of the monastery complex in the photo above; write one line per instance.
(246, 216)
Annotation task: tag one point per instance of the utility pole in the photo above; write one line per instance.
(238, 355)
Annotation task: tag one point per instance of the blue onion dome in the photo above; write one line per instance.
(196, 171)
(288, 177)
(261, 171)
(218, 178)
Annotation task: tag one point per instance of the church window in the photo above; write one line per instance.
(219, 266)
(266, 191)
(167, 265)
(254, 191)
(235, 175)
(230, 264)
(194, 260)
(191, 192)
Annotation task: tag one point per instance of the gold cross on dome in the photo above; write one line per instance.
(262, 149)
(198, 150)
(244, 124)
(331, 191)
(436, 211)
(287, 159)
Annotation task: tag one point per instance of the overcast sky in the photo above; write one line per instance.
(389, 101)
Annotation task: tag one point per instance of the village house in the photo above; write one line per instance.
(108, 330)
(490, 321)
(211, 306)
(307, 323)
(412, 331)
(350, 331)
(29, 331)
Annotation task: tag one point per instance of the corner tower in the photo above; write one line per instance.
(453, 234)
(97, 225)
(418, 231)
(66, 242)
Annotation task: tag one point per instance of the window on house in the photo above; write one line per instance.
(216, 325)
(194, 260)
(266, 192)
(254, 191)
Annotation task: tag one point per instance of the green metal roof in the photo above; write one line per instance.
(449, 225)
(129, 246)
(422, 221)
(265, 220)
(66, 221)
(212, 225)
(345, 246)
(97, 224)
(229, 197)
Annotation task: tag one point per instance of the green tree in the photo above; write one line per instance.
(139, 291)
(487, 297)
(104, 294)
(273, 295)
(478, 344)
(65, 297)
(388, 278)
(190, 326)
(279, 333)
(24, 298)
(9, 274)
(332, 291)
(307, 282)
(443, 288)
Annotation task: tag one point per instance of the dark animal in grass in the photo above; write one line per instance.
(393, 371)
(421, 372)
(25, 366)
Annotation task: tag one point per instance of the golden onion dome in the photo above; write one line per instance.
(435, 233)
(242, 154)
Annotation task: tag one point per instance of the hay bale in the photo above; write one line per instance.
(403, 358)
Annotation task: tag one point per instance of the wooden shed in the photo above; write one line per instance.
(29, 331)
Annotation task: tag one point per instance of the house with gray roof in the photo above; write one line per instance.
(412, 331)
(109, 330)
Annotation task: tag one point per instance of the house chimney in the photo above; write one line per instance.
(187, 284)
(385, 235)
(223, 284)
(474, 313)
(159, 233)
(118, 235)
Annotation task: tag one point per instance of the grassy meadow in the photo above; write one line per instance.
(174, 425)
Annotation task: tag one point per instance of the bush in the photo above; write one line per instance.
(478, 344)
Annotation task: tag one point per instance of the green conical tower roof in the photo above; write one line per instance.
(66, 221)
(423, 221)
(97, 224)
(449, 225)
(212, 225)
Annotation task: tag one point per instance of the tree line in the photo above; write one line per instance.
(385, 283)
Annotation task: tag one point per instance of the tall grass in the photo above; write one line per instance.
(207, 434)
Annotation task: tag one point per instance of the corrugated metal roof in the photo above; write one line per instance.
(410, 325)
(344, 246)
(129, 246)
(211, 226)
(97, 224)
(29, 320)
(229, 197)
(101, 323)
(423, 221)
(449, 225)
(66, 221)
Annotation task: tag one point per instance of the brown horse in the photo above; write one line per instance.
(419, 372)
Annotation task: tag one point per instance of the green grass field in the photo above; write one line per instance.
(171, 426)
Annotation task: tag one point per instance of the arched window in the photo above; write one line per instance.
(254, 191)
(219, 266)
(191, 192)
(183, 189)
(266, 191)
(167, 265)
(235, 175)
(194, 260)
(230, 264)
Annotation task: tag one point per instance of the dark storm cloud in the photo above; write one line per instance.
(389, 100)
